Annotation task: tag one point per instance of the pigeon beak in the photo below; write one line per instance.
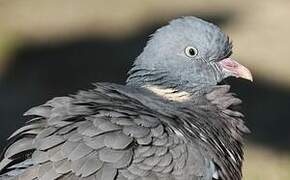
(233, 68)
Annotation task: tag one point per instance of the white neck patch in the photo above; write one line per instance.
(169, 93)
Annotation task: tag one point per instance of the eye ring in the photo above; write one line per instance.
(190, 51)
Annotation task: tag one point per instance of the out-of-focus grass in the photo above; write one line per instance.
(7, 45)
(262, 163)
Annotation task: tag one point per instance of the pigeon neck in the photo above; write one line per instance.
(174, 94)
(162, 84)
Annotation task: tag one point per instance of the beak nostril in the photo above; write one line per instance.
(235, 69)
(229, 63)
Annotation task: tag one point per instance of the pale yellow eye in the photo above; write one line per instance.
(190, 51)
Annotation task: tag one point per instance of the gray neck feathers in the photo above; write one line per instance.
(141, 77)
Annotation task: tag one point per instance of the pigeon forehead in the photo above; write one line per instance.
(194, 30)
(193, 26)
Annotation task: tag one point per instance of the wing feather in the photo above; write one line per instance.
(100, 134)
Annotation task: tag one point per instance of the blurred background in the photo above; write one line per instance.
(55, 47)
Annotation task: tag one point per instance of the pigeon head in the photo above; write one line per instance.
(187, 54)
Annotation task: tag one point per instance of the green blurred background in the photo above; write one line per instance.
(55, 47)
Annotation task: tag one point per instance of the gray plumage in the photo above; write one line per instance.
(116, 132)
